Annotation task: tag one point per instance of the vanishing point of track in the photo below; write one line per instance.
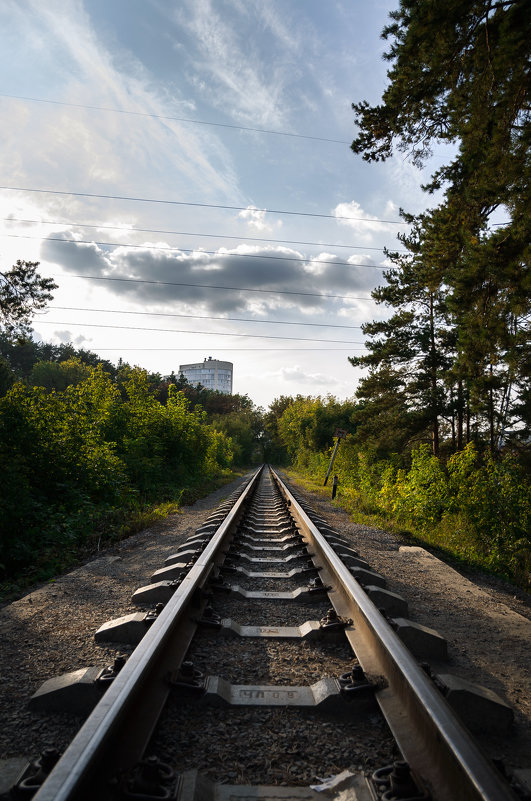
(264, 533)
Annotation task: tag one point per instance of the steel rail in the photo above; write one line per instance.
(434, 742)
(111, 739)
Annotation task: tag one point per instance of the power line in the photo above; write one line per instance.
(225, 349)
(209, 286)
(193, 233)
(204, 333)
(195, 205)
(202, 317)
(175, 119)
(191, 250)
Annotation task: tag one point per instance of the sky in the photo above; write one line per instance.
(182, 169)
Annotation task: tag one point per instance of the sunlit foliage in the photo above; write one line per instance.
(76, 457)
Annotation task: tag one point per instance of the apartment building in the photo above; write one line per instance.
(210, 373)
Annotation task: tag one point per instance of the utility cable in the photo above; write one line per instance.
(172, 248)
(193, 233)
(202, 317)
(204, 333)
(208, 286)
(196, 205)
(175, 119)
(226, 349)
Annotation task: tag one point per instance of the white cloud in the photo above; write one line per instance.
(226, 69)
(280, 276)
(353, 215)
(66, 336)
(61, 336)
(64, 147)
(256, 219)
(282, 26)
(300, 376)
(320, 263)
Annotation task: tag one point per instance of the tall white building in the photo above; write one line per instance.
(211, 374)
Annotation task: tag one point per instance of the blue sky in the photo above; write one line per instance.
(124, 76)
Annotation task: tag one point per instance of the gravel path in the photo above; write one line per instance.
(51, 631)
(485, 620)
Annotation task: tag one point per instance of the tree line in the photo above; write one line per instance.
(87, 448)
(472, 503)
(440, 422)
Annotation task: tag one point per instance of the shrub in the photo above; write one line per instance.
(73, 459)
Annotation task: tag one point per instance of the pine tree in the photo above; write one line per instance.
(460, 74)
(22, 292)
(415, 342)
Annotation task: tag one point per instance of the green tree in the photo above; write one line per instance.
(274, 448)
(7, 376)
(489, 303)
(58, 375)
(212, 401)
(307, 425)
(22, 292)
(415, 343)
(386, 419)
(460, 75)
(239, 428)
(22, 354)
(72, 459)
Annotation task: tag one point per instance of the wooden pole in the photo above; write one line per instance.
(332, 460)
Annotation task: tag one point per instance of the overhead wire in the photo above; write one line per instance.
(191, 233)
(272, 211)
(208, 286)
(202, 317)
(226, 349)
(187, 120)
(197, 205)
(203, 333)
(216, 206)
(193, 250)
(174, 119)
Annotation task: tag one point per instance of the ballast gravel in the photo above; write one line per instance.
(269, 746)
(264, 661)
(271, 613)
(485, 620)
(50, 631)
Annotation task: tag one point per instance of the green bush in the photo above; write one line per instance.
(493, 500)
(73, 460)
(475, 506)
(421, 493)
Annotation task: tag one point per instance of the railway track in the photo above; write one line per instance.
(262, 575)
